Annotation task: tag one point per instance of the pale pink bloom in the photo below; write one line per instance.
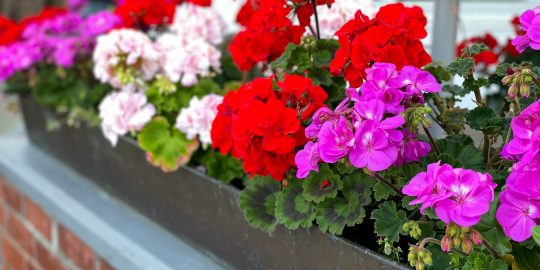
(123, 112)
(331, 19)
(185, 59)
(125, 49)
(197, 118)
(193, 21)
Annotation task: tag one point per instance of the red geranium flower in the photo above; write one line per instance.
(144, 13)
(262, 126)
(45, 14)
(268, 31)
(393, 36)
(9, 31)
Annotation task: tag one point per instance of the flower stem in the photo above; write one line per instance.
(314, 4)
(536, 82)
(491, 249)
(438, 242)
(388, 184)
(486, 149)
(478, 97)
(431, 140)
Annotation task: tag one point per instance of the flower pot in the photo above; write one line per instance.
(196, 208)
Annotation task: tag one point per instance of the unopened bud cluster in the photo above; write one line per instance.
(419, 257)
(519, 82)
(413, 229)
(462, 238)
(415, 116)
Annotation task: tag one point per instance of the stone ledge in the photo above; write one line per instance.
(117, 233)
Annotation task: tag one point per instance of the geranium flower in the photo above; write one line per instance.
(373, 148)
(341, 11)
(144, 13)
(9, 31)
(517, 215)
(411, 149)
(457, 195)
(197, 118)
(307, 159)
(530, 24)
(123, 112)
(335, 141)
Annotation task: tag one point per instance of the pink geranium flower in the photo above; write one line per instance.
(373, 149)
(517, 215)
(335, 141)
(307, 160)
(530, 23)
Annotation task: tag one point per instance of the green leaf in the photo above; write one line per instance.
(225, 168)
(324, 51)
(439, 72)
(536, 234)
(167, 147)
(485, 119)
(468, 155)
(454, 119)
(462, 67)
(473, 49)
(320, 76)
(526, 259)
(481, 261)
(258, 202)
(335, 213)
(322, 184)
(472, 84)
(492, 232)
(455, 90)
(295, 55)
(381, 191)
(389, 221)
(292, 209)
(440, 259)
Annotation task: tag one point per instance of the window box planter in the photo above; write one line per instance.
(197, 208)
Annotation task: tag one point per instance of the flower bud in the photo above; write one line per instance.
(446, 244)
(524, 90)
(513, 90)
(427, 260)
(476, 237)
(508, 79)
(456, 241)
(466, 246)
(453, 230)
(422, 254)
(406, 227)
(387, 249)
(419, 265)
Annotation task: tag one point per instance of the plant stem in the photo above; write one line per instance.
(314, 4)
(478, 97)
(438, 242)
(536, 81)
(486, 150)
(312, 30)
(491, 249)
(388, 184)
(431, 140)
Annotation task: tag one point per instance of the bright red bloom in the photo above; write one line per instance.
(268, 31)
(144, 13)
(9, 31)
(45, 15)
(304, 9)
(393, 36)
(262, 126)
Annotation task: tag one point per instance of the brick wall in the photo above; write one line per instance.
(32, 240)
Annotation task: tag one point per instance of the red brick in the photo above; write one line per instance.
(19, 233)
(47, 260)
(11, 196)
(75, 249)
(39, 219)
(105, 265)
(12, 257)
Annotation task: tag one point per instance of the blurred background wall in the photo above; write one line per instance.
(17, 9)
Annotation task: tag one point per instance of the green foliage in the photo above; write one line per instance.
(321, 185)
(258, 202)
(455, 90)
(481, 261)
(225, 168)
(474, 49)
(525, 258)
(381, 191)
(439, 72)
(454, 119)
(463, 155)
(165, 145)
(441, 260)
(470, 83)
(389, 221)
(492, 232)
(536, 234)
(292, 209)
(485, 119)
(462, 67)
(334, 214)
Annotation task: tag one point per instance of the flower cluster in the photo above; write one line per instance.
(123, 56)
(393, 36)
(189, 50)
(142, 14)
(457, 195)
(197, 118)
(520, 202)
(9, 31)
(331, 19)
(530, 24)
(123, 112)
(261, 125)
(367, 126)
(55, 36)
(267, 32)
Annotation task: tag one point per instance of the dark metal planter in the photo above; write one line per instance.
(196, 208)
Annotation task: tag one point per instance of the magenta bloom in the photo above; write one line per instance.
(469, 198)
(307, 160)
(373, 148)
(417, 81)
(530, 23)
(335, 141)
(457, 195)
(526, 129)
(517, 215)
(322, 115)
(411, 149)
